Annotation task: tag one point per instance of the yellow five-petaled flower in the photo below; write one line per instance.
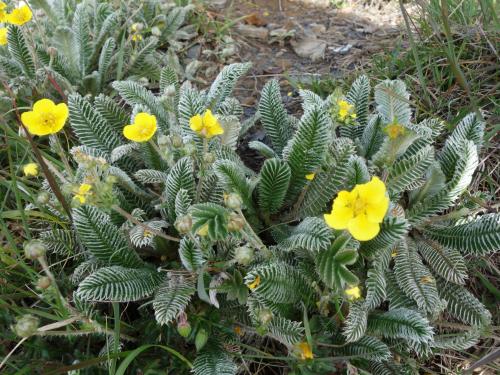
(310, 176)
(345, 109)
(394, 130)
(46, 117)
(3, 13)
(143, 128)
(353, 293)
(255, 283)
(305, 350)
(82, 192)
(30, 169)
(3, 36)
(360, 210)
(207, 125)
(20, 16)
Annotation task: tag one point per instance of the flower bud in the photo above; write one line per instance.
(169, 91)
(137, 27)
(155, 30)
(177, 141)
(209, 158)
(236, 222)
(52, 51)
(43, 283)
(233, 201)
(163, 140)
(265, 316)
(184, 224)
(184, 329)
(189, 149)
(200, 339)
(43, 197)
(34, 249)
(110, 179)
(26, 325)
(244, 255)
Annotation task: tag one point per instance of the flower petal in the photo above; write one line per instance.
(373, 191)
(196, 123)
(339, 218)
(375, 212)
(44, 105)
(209, 120)
(362, 229)
(214, 130)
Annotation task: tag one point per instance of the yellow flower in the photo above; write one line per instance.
(45, 118)
(344, 108)
(203, 230)
(20, 16)
(361, 210)
(30, 169)
(239, 330)
(305, 350)
(82, 192)
(353, 293)
(143, 128)
(255, 283)
(3, 13)
(310, 176)
(3, 36)
(207, 125)
(394, 130)
(137, 37)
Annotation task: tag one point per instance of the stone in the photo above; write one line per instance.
(253, 31)
(310, 47)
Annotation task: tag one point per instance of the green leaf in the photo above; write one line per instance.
(213, 360)
(392, 229)
(462, 177)
(105, 59)
(372, 137)
(19, 50)
(366, 347)
(285, 331)
(135, 94)
(405, 171)
(331, 264)
(311, 234)
(118, 284)
(463, 305)
(191, 256)
(82, 42)
(359, 96)
(307, 149)
(172, 297)
(273, 185)
(90, 127)
(114, 114)
(224, 83)
(233, 180)
(446, 262)
(415, 279)
(458, 341)
(355, 324)
(329, 180)
(400, 323)
(392, 100)
(102, 239)
(274, 117)
(213, 215)
(375, 288)
(182, 202)
(180, 177)
(280, 283)
(478, 236)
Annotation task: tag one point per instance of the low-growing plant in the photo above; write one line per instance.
(167, 218)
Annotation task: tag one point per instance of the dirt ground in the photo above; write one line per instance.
(306, 39)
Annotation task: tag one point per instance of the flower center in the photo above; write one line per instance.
(48, 120)
(359, 206)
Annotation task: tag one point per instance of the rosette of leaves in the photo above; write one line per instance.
(290, 286)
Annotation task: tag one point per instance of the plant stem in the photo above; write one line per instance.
(202, 169)
(116, 340)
